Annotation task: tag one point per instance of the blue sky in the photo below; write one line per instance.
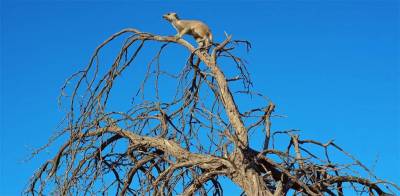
(332, 67)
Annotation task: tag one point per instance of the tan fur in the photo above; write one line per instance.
(195, 28)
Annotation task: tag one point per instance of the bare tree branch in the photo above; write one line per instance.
(182, 130)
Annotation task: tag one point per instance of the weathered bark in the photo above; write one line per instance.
(251, 182)
(160, 136)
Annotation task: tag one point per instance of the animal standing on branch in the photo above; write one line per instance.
(200, 31)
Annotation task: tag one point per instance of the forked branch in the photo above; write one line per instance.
(182, 130)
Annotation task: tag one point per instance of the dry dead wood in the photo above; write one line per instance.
(185, 143)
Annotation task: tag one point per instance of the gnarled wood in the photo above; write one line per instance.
(183, 145)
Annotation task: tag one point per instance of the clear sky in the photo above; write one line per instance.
(332, 67)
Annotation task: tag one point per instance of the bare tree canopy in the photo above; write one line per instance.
(184, 139)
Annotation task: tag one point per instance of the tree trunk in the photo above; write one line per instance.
(251, 183)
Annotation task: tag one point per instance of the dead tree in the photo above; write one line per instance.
(183, 140)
